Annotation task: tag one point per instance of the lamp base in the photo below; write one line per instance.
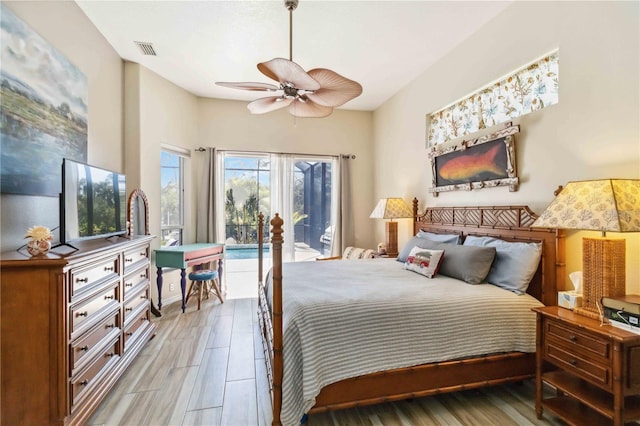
(391, 236)
(603, 273)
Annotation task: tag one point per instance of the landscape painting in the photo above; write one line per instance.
(44, 111)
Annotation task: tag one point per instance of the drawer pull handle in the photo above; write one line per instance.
(82, 280)
(128, 284)
(108, 297)
(573, 362)
(84, 383)
(573, 338)
(84, 348)
(82, 314)
(110, 354)
(128, 309)
(143, 275)
(143, 297)
(108, 268)
(142, 253)
(110, 325)
(128, 259)
(129, 333)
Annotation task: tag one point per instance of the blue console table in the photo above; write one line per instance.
(181, 257)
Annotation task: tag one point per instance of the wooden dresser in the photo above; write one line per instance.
(595, 369)
(70, 327)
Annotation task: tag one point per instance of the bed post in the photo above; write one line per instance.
(260, 244)
(276, 247)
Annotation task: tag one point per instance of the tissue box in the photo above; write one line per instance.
(569, 299)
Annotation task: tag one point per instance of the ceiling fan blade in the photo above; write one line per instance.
(271, 103)
(257, 87)
(335, 90)
(286, 71)
(309, 109)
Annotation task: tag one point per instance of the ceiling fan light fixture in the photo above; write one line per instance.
(312, 94)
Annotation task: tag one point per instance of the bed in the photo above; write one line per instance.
(308, 333)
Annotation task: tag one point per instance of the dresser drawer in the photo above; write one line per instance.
(572, 338)
(89, 378)
(84, 315)
(84, 278)
(135, 280)
(141, 319)
(577, 364)
(89, 343)
(134, 256)
(132, 307)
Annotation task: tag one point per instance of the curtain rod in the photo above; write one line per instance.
(351, 156)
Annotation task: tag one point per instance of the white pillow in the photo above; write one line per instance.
(424, 261)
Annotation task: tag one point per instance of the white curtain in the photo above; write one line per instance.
(207, 211)
(342, 211)
(281, 187)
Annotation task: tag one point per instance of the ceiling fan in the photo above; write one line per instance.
(307, 94)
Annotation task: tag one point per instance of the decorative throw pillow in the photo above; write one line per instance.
(515, 265)
(440, 238)
(424, 261)
(467, 263)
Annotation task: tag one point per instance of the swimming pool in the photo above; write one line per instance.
(245, 252)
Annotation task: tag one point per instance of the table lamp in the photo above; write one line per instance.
(606, 205)
(391, 208)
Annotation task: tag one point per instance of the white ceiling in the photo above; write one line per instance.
(383, 45)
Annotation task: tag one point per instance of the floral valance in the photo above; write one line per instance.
(533, 87)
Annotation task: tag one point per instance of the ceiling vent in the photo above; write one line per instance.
(146, 48)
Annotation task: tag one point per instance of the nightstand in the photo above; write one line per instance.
(595, 369)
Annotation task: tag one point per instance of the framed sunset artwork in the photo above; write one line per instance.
(484, 162)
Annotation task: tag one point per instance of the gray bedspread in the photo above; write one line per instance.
(343, 319)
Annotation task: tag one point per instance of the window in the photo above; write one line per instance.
(246, 191)
(171, 197)
(529, 89)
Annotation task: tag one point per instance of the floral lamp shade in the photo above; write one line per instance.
(391, 208)
(596, 205)
(606, 205)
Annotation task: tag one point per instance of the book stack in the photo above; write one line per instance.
(623, 311)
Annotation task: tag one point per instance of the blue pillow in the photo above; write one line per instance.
(413, 242)
(515, 265)
(466, 263)
(440, 238)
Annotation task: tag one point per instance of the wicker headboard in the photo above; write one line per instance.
(510, 223)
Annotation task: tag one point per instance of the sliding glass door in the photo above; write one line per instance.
(298, 188)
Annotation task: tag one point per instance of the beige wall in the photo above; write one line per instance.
(158, 113)
(67, 29)
(593, 132)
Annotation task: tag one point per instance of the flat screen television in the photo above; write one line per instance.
(92, 202)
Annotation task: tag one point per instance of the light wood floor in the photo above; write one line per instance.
(207, 368)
